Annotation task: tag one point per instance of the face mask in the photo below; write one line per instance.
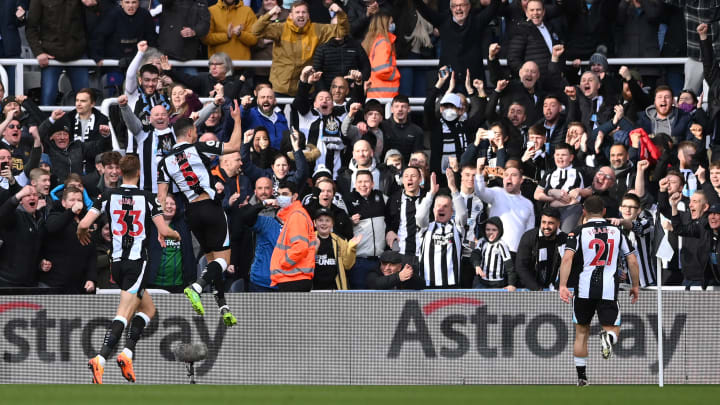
(449, 114)
(284, 200)
(391, 28)
(686, 107)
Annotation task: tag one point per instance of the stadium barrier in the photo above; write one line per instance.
(463, 337)
(19, 65)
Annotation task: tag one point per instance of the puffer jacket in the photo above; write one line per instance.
(372, 221)
(57, 27)
(70, 159)
(237, 47)
(294, 47)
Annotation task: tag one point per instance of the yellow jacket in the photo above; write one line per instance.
(294, 47)
(345, 256)
(238, 48)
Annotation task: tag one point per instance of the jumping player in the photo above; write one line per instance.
(598, 245)
(129, 211)
(186, 165)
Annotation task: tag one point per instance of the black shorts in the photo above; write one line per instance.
(208, 223)
(584, 309)
(129, 275)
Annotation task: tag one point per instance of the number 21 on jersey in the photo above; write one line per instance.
(603, 252)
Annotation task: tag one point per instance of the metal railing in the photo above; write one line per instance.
(19, 66)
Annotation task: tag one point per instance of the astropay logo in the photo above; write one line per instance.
(30, 333)
(469, 327)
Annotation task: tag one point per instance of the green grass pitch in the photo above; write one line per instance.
(347, 395)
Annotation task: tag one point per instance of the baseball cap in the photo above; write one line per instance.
(451, 98)
(322, 211)
(390, 256)
(45, 158)
(714, 209)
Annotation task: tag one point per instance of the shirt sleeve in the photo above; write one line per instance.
(162, 176)
(153, 205)
(210, 148)
(572, 242)
(99, 203)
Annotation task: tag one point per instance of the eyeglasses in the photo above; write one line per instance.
(603, 176)
(216, 63)
(630, 207)
(13, 126)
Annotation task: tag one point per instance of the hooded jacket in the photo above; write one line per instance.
(293, 258)
(384, 74)
(294, 47)
(477, 254)
(678, 121)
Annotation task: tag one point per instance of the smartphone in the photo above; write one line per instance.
(4, 165)
(530, 144)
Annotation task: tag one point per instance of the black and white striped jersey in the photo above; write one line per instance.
(476, 210)
(441, 254)
(566, 179)
(598, 246)
(400, 218)
(187, 166)
(129, 212)
(492, 258)
(151, 147)
(642, 238)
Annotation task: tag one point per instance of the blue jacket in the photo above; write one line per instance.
(681, 122)
(267, 231)
(58, 190)
(252, 119)
(9, 24)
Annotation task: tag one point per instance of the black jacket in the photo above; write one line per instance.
(406, 138)
(203, 83)
(696, 263)
(22, 236)
(118, 34)
(528, 255)
(528, 45)
(70, 160)
(57, 27)
(461, 45)
(176, 15)
(711, 72)
(357, 15)
(337, 58)
(9, 25)
(72, 263)
(586, 29)
(376, 280)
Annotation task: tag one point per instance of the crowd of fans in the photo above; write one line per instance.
(480, 191)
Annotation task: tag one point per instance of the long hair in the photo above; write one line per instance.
(378, 27)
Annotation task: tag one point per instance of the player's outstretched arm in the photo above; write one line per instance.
(164, 230)
(83, 229)
(236, 138)
(162, 194)
(565, 268)
(634, 275)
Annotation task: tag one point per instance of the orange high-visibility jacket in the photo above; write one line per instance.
(293, 258)
(384, 74)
